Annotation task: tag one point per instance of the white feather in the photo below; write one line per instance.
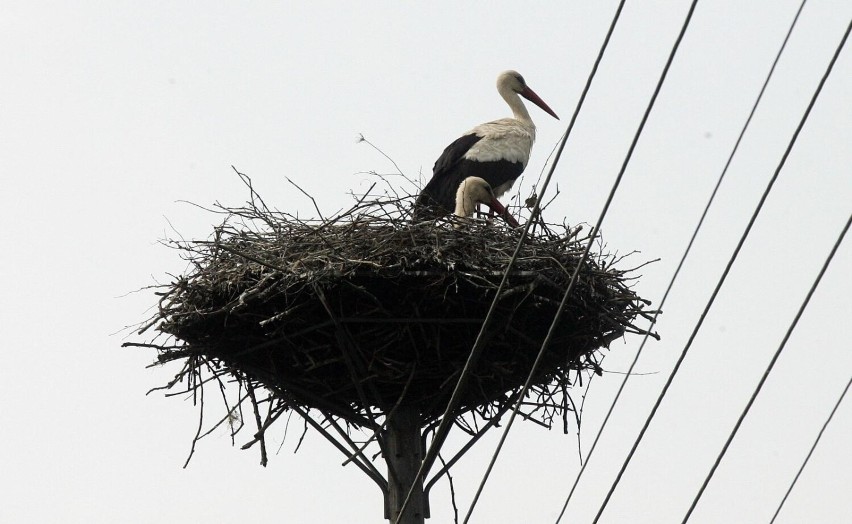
(505, 139)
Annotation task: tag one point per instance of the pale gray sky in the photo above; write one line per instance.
(111, 114)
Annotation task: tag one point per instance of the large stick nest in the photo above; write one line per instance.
(355, 314)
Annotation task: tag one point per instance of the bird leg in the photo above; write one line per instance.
(491, 212)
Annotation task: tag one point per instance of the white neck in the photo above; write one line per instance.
(473, 190)
(513, 99)
(464, 204)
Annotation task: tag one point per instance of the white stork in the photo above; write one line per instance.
(496, 152)
(473, 191)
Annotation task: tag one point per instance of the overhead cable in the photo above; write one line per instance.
(592, 236)
(686, 251)
(771, 365)
(811, 452)
(724, 275)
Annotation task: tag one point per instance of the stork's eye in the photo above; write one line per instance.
(521, 80)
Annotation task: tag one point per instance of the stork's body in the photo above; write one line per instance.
(496, 152)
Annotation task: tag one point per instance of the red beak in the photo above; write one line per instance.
(503, 212)
(530, 95)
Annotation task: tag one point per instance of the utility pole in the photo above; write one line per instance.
(405, 452)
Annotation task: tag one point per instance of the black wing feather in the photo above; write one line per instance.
(453, 154)
(439, 195)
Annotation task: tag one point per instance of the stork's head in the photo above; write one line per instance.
(474, 190)
(512, 81)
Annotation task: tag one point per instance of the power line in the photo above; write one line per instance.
(724, 275)
(478, 345)
(679, 265)
(808, 457)
(592, 236)
(768, 369)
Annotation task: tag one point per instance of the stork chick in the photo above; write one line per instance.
(473, 191)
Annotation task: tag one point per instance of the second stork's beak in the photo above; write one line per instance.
(503, 212)
(530, 95)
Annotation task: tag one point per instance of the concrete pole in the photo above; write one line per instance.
(405, 451)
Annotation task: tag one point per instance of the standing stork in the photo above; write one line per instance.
(496, 152)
